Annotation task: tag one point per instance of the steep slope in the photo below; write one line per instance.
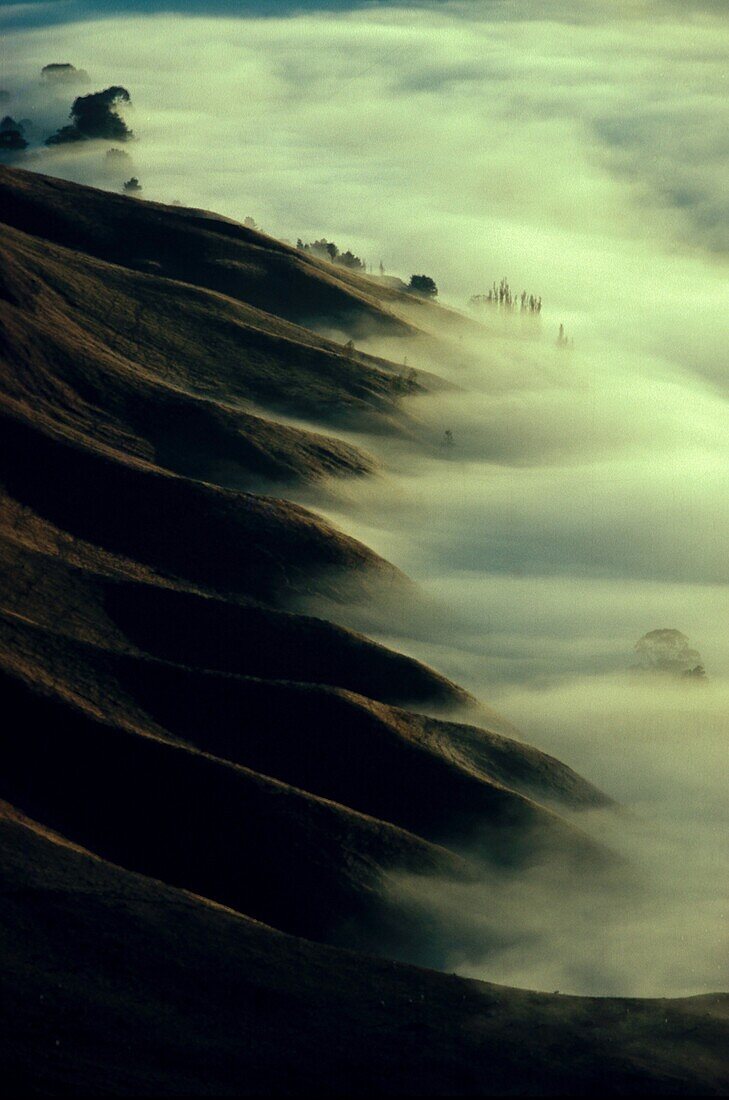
(175, 374)
(198, 248)
(118, 984)
(115, 603)
(231, 541)
(279, 854)
(106, 544)
(167, 710)
(380, 760)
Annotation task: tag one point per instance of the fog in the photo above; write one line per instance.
(581, 150)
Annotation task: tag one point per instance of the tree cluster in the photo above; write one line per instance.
(502, 297)
(406, 382)
(327, 250)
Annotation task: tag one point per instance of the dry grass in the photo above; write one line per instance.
(167, 714)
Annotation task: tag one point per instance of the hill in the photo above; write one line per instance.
(206, 793)
(233, 1007)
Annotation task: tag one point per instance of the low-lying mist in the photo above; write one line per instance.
(561, 499)
(580, 502)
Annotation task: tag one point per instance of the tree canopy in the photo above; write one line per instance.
(668, 651)
(95, 116)
(11, 135)
(423, 284)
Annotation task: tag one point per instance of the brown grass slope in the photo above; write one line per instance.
(304, 864)
(230, 541)
(62, 583)
(197, 248)
(116, 984)
(380, 760)
(165, 709)
(96, 374)
(175, 374)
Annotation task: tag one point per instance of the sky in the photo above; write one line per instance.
(581, 149)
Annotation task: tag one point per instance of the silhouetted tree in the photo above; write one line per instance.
(563, 340)
(667, 651)
(95, 116)
(65, 136)
(12, 141)
(64, 73)
(348, 259)
(327, 250)
(132, 186)
(11, 136)
(117, 165)
(424, 285)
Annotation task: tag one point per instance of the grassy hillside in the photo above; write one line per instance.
(184, 756)
(232, 1007)
(199, 248)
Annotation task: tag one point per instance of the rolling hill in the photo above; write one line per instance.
(205, 793)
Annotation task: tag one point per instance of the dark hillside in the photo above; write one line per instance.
(184, 756)
(232, 1007)
(196, 248)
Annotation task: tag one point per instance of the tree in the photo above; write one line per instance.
(95, 116)
(667, 651)
(117, 165)
(64, 73)
(65, 135)
(132, 186)
(327, 250)
(424, 285)
(11, 135)
(348, 259)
